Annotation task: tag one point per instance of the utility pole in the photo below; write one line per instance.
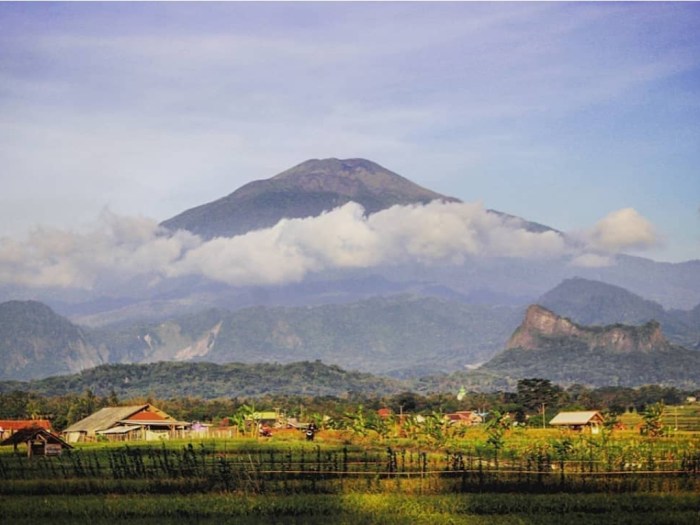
(544, 418)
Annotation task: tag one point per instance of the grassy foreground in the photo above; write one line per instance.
(473, 509)
(534, 480)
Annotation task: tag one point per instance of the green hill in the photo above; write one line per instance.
(208, 380)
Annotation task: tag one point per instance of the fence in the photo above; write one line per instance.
(206, 468)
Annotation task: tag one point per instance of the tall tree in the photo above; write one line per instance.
(535, 392)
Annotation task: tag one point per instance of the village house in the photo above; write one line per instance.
(465, 418)
(144, 422)
(385, 413)
(589, 420)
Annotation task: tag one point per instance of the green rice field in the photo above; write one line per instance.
(538, 476)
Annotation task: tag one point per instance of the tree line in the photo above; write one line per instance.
(533, 399)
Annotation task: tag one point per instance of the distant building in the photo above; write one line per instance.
(385, 413)
(591, 420)
(270, 418)
(125, 423)
(465, 418)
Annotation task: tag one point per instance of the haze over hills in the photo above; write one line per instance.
(544, 345)
(401, 336)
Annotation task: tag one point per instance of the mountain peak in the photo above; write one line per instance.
(538, 322)
(364, 181)
(306, 190)
(333, 165)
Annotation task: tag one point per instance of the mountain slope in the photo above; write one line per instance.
(306, 190)
(550, 346)
(36, 342)
(402, 335)
(596, 303)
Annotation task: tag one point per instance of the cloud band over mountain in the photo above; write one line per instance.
(121, 249)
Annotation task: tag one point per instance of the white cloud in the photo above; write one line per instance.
(122, 248)
(116, 250)
(119, 249)
(621, 230)
(346, 238)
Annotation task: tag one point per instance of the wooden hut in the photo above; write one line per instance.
(39, 442)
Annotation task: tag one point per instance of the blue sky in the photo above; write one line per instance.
(560, 113)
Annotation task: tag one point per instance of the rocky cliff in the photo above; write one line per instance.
(553, 347)
(542, 328)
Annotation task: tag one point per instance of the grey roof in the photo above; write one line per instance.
(121, 429)
(574, 418)
(104, 418)
(156, 423)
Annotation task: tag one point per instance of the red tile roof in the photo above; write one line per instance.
(146, 416)
(16, 424)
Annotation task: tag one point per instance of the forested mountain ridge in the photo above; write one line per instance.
(401, 336)
(209, 381)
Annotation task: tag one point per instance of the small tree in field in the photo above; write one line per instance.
(357, 421)
(652, 425)
(434, 427)
(241, 416)
(496, 429)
